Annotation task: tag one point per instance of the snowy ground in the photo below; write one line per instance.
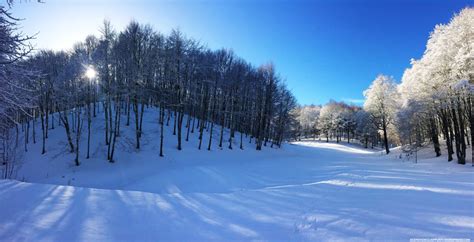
(304, 191)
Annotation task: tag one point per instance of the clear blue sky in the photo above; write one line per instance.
(326, 50)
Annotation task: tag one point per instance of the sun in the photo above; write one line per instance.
(90, 73)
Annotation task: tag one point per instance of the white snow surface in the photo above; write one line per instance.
(305, 191)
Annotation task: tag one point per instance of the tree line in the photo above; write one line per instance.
(433, 101)
(437, 90)
(121, 74)
(337, 121)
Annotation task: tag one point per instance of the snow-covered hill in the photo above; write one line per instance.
(305, 191)
(131, 166)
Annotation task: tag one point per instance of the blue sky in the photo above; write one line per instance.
(325, 49)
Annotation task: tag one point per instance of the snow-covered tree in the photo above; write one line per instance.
(365, 129)
(308, 117)
(326, 116)
(195, 87)
(337, 119)
(381, 103)
(16, 93)
(434, 83)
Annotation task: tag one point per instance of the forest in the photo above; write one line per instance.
(116, 130)
(122, 74)
(432, 104)
(196, 89)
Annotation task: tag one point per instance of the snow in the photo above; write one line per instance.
(307, 190)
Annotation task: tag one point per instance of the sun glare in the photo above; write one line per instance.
(91, 73)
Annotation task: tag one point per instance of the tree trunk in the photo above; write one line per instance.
(65, 121)
(462, 134)
(188, 124)
(46, 122)
(434, 136)
(385, 138)
(137, 123)
(128, 112)
(89, 121)
(175, 122)
(43, 132)
(241, 141)
(115, 132)
(459, 136)
(106, 118)
(210, 136)
(180, 126)
(223, 116)
(162, 122)
(34, 124)
(141, 118)
(78, 136)
(27, 133)
(192, 127)
(447, 134)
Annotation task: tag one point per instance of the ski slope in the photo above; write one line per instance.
(305, 191)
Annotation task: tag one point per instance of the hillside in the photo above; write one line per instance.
(131, 165)
(306, 190)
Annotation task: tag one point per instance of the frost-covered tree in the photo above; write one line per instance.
(381, 104)
(308, 117)
(365, 128)
(441, 82)
(326, 116)
(349, 120)
(337, 119)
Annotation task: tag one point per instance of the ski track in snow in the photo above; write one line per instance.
(305, 191)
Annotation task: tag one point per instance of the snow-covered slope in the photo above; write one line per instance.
(305, 191)
(131, 165)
